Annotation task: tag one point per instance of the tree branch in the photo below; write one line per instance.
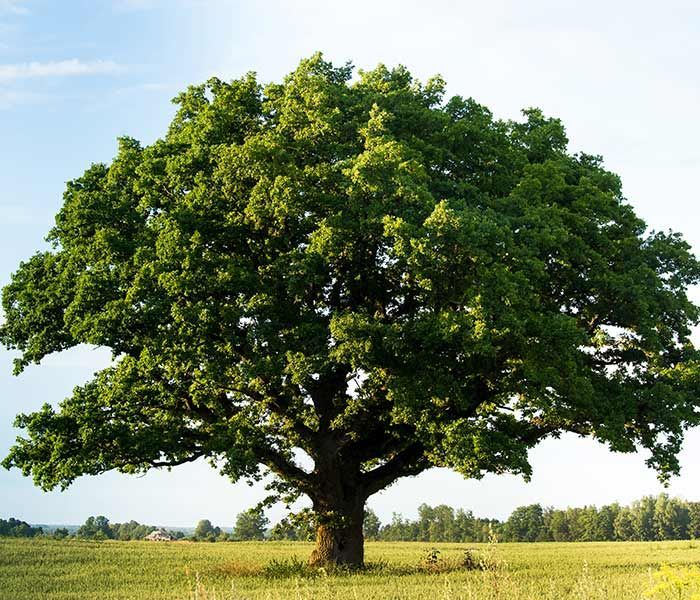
(410, 461)
(538, 431)
(279, 465)
(175, 463)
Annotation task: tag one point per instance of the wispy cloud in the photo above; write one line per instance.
(61, 68)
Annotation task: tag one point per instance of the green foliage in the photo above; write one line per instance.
(298, 526)
(625, 525)
(130, 531)
(251, 525)
(663, 517)
(95, 528)
(371, 525)
(206, 532)
(288, 568)
(671, 518)
(60, 533)
(525, 524)
(15, 528)
(99, 528)
(439, 524)
(360, 269)
(694, 520)
(435, 523)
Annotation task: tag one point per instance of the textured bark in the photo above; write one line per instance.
(340, 541)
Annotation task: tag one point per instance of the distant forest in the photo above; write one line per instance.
(652, 518)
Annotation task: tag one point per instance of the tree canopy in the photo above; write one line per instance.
(205, 531)
(250, 525)
(357, 270)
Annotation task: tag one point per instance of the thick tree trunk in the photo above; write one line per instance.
(339, 539)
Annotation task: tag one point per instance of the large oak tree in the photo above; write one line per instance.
(360, 271)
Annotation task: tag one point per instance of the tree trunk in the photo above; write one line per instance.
(339, 538)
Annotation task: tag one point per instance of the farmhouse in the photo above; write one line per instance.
(159, 535)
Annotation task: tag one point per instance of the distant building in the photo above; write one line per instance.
(159, 535)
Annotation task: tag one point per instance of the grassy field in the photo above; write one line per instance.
(51, 570)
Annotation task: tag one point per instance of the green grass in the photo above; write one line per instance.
(42, 569)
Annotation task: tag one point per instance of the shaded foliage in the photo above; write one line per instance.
(361, 270)
(15, 528)
(250, 525)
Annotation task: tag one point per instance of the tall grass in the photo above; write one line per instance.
(42, 569)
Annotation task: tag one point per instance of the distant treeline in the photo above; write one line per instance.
(653, 518)
(250, 525)
(15, 528)
(94, 528)
(99, 528)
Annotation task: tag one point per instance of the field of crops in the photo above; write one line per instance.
(42, 569)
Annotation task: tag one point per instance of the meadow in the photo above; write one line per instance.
(44, 569)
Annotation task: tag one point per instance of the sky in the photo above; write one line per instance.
(76, 74)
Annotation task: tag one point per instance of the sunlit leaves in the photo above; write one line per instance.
(358, 269)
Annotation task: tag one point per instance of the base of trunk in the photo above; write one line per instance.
(339, 546)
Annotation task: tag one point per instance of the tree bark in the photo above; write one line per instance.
(339, 538)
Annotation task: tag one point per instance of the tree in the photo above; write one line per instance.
(296, 526)
(130, 531)
(606, 522)
(15, 528)
(205, 531)
(525, 524)
(426, 517)
(671, 518)
(361, 272)
(371, 525)
(643, 511)
(95, 528)
(559, 526)
(465, 525)
(694, 520)
(443, 525)
(284, 530)
(625, 529)
(251, 525)
(400, 529)
(436, 524)
(587, 523)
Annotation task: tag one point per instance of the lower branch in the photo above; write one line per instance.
(286, 469)
(409, 461)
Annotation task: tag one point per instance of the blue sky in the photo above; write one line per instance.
(76, 74)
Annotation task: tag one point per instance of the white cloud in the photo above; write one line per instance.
(61, 68)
